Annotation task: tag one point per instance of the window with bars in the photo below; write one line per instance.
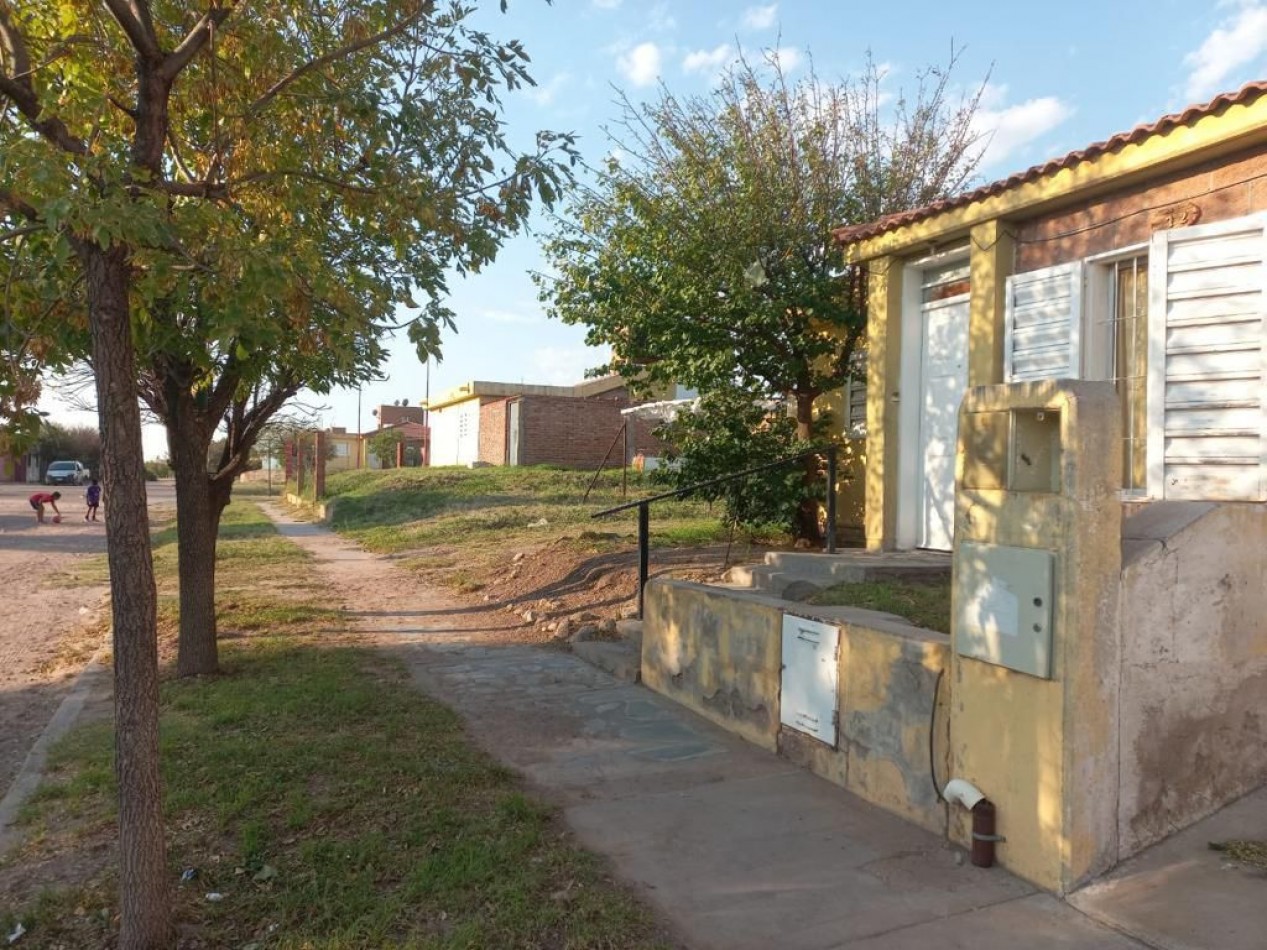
(1126, 333)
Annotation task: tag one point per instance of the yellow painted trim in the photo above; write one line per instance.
(993, 258)
(884, 353)
(1209, 137)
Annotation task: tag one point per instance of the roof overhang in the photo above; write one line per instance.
(1233, 128)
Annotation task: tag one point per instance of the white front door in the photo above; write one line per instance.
(943, 382)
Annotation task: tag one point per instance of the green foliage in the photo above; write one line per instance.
(727, 432)
(383, 445)
(704, 254)
(307, 181)
(69, 443)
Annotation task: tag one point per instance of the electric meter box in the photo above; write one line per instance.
(1003, 605)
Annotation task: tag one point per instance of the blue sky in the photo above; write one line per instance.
(1060, 77)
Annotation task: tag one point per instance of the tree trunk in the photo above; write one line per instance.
(197, 524)
(144, 899)
(807, 527)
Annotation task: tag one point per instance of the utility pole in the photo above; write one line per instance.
(360, 445)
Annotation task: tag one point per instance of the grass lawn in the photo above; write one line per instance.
(329, 803)
(924, 605)
(411, 508)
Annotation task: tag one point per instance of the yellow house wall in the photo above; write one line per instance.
(884, 334)
(1201, 157)
(851, 494)
(1046, 751)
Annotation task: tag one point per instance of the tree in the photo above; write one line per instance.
(703, 252)
(245, 194)
(383, 444)
(74, 443)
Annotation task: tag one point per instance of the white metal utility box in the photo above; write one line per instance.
(808, 698)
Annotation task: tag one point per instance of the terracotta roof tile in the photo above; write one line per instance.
(1244, 96)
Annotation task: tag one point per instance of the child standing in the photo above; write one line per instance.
(42, 498)
(93, 499)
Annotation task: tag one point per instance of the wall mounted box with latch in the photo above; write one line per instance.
(809, 696)
(1003, 606)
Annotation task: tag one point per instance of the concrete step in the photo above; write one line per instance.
(621, 658)
(782, 569)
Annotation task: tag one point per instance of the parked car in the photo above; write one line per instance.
(66, 473)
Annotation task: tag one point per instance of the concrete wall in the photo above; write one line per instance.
(1194, 665)
(716, 652)
(888, 684)
(719, 653)
(1045, 751)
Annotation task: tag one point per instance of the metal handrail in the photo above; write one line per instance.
(644, 505)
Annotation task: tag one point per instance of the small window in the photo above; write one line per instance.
(945, 281)
(341, 450)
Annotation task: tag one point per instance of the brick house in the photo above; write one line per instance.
(518, 424)
(1140, 260)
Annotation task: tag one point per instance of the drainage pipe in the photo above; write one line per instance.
(962, 792)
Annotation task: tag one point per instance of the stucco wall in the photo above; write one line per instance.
(1217, 190)
(1045, 750)
(719, 653)
(1194, 670)
(716, 652)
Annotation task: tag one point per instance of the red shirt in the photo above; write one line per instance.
(43, 498)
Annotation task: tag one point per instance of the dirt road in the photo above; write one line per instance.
(40, 614)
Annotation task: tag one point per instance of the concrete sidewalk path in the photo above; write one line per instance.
(733, 846)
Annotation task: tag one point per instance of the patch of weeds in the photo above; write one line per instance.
(322, 794)
(924, 605)
(462, 582)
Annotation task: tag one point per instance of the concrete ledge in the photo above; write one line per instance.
(719, 652)
(619, 658)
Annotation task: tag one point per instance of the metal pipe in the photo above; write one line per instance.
(644, 550)
(831, 499)
(983, 836)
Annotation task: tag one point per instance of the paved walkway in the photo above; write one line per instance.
(736, 848)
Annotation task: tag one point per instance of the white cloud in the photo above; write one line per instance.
(760, 18)
(606, 4)
(1237, 41)
(641, 65)
(544, 94)
(1010, 127)
(560, 365)
(708, 60)
(787, 58)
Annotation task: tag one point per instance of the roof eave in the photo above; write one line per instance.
(1233, 129)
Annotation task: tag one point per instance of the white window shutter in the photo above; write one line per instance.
(856, 407)
(1207, 363)
(1043, 324)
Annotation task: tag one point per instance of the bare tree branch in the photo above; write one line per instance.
(194, 41)
(322, 61)
(133, 18)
